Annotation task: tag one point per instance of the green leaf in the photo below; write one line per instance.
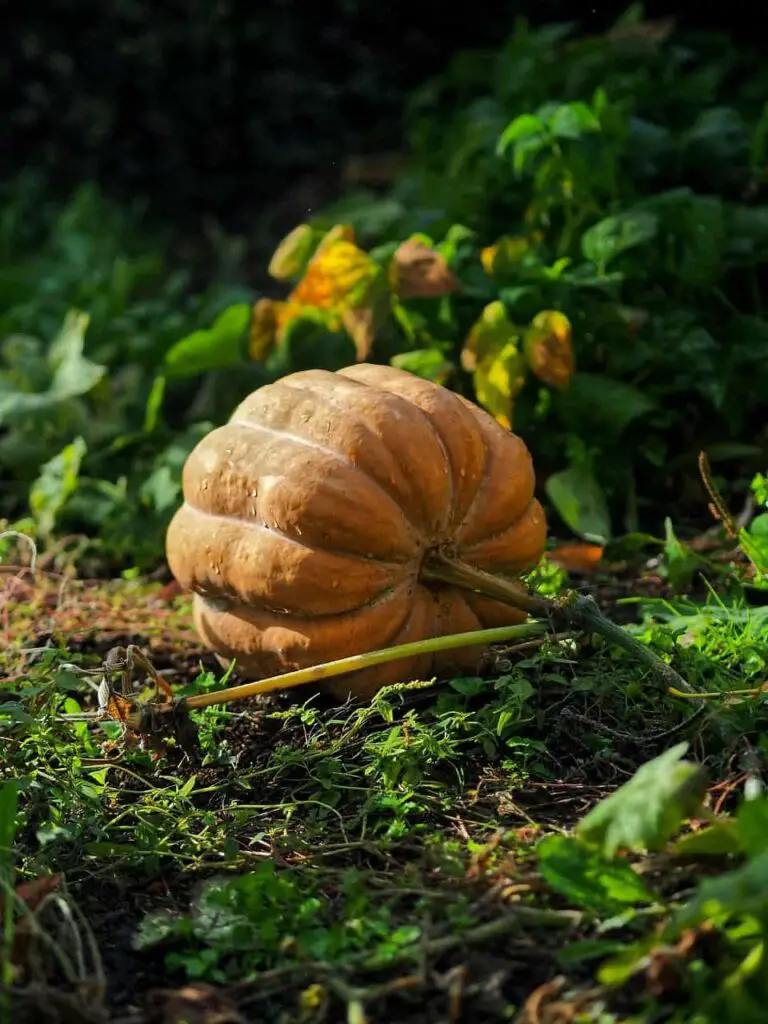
(602, 401)
(589, 949)
(612, 236)
(56, 483)
(588, 879)
(572, 120)
(525, 126)
(213, 349)
(739, 893)
(680, 562)
(580, 501)
(309, 343)
(9, 805)
(721, 838)
(752, 826)
(72, 374)
(648, 809)
(429, 363)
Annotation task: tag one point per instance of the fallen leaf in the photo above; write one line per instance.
(419, 272)
(32, 893)
(548, 348)
(579, 558)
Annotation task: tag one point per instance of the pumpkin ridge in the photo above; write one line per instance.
(252, 524)
(331, 453)
(233, 605)
(481, 489)
(468, 549)
(353, 414)
(438, 437)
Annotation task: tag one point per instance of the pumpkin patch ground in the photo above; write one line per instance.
(429, 854)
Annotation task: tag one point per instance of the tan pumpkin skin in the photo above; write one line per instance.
(307, 517)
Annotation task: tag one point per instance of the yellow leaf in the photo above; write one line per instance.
(498, 379)
(548, 348)
(267, 322)
(363, 319)
(505, 255)
(291, 256)
(338, 233)
(263, 331)
(419, 272)
(336, 277)
(490, 332)
(492, 353)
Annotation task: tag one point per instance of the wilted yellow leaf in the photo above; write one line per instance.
(267, 321)
(419, 272)
(293, 253)
(490, 332)
(337, 276)
(492, 354)
(505, 255)
(263, 331)
(338, 233)
(548, 348)
(498, 379)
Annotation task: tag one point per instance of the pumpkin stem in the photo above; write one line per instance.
(575, 611)
(358, 662)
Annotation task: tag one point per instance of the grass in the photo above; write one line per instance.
(367, 862)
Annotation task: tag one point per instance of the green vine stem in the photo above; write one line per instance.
(357, 662)
(574, 612)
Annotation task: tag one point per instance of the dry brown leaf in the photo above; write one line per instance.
(418, 272)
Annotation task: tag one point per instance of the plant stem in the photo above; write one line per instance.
(357, 662)
(575, 612)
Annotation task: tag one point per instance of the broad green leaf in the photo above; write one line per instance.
(308, 342)
(752, 826)
(580, 501)
(56, 483)
(612, 236)
(72, 374)
(429, 363)
(718, 133)
(738, 893)
(220, 346)
(572, 120)
(525, 126)
(602, 401)
(716, 840)
(648, 809)
(588, 879)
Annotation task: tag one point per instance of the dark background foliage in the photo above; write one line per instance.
(215, 107)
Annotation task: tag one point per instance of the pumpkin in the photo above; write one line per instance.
(312, 520)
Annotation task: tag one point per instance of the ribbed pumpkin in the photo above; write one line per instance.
(311, 518)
